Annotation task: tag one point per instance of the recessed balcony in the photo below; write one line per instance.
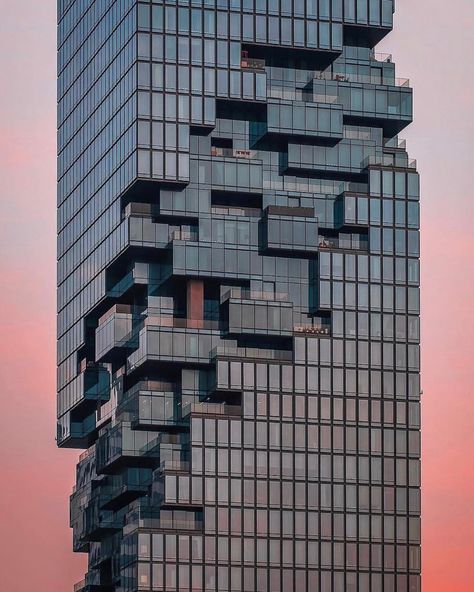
(249, 63)
(211, 410)
(344, 241)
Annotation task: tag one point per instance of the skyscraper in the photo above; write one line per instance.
(238, 296)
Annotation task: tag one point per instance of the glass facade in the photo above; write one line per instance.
(238, 296)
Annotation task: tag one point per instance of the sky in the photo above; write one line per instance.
(432, 45)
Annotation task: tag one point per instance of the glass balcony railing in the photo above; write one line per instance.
(141, 210)
(233, 211)
(144, 517)
(395, 143)
(247, 294)
(281, 89)
(364, 79)
(385, 58)
(232, 152)
(178, 323)
(228, 351)
(181, 466)
(211, 409)
(309, 329)
(351, 242)
(184, 234)
(127, 309)
(247, 63)
(397, 160)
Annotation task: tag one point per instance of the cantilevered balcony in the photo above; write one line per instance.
(344, 241)
(84, 586)
(244, 315)
(345, 161)
(311, 121)
(92, 385)
(76, 433)
(289, 231)
(125, 487)
(117, 331)
(395, 159)
(151, 404)
(88, 518)
(143, 515)
(211, 410)
(370, 100)
(145, 231)
(121, 445)
(183, 341)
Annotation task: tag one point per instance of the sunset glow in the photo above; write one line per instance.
(436, 52)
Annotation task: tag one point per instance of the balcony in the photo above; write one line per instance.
(117, 331)
(76, 433)
(144, 231)
(368, 100)
(150, 404)
(138, 274)
(311, 121)
(211, 409)
(89, 520)
(122, 489)
(398, 160)
(232, 152)
(289, 231)
(230, 351)
(344, 241)
(344, 161)
(257, 317)
(83, 586)
(173, 466)
(81, 395)
(364, 79)
(123, 446)
(311, 330)
(248, 294)
(94, 384)
(177, 342)
(248, 63)
(143, 516)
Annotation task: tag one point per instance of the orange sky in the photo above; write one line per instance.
(433, 46)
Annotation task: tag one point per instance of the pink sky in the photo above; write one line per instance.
(432, 45)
